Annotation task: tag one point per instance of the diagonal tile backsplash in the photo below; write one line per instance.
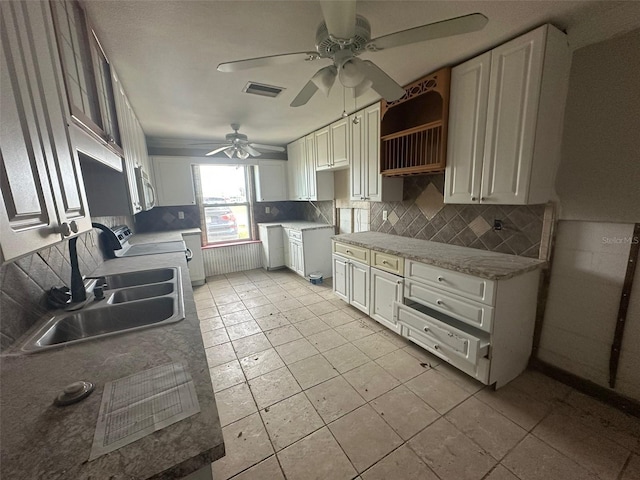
(423, 214)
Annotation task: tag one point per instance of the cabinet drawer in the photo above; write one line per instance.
(350, 251)
(388, 263)
(474, 288)
(442, 337)
(294, 234)
(475, 314)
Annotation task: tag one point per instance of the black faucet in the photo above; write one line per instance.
(78, 292)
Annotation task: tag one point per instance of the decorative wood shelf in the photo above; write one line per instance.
(414, 128)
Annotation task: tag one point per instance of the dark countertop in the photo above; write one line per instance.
(42, 441)
(297, 225)
(480, 263)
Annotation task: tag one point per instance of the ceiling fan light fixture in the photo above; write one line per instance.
(325, 78)
(229, 152)
(364, 86)
(242, 154)
(351, 73)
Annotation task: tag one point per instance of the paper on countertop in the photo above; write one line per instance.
(135, 406)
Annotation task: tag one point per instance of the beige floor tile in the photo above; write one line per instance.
(235, 403)
(402, 464)
(401, 365)
(254, 292)
(228, 298)
(355, 330)
(289, 304)
(337, 318)
(316, 457)
(257, 301)
(274, 386)
(272, 321)
(236, 317)
(281, 335)
(404, 411)
(370, 380)
(516, 405)
(364, 437)
(268, 469)
(220, 288)
(271, 290)
(264, 311)
(323, 307)
(299, 314)
(599, 455)
(540, 387)
(440, 393)
(326, 340)
(533, 459)
(375, 346)
(334, 398)
(209, 324)
(219, 354)
(244, 287)
(252, 344)
(290, 420)
(231, 308)
(246, 443)
(450, 454)
(312, 371)
(494, 432)
(264, 283)
(260, 363)
(353, 312)
(391, 336)
(500, 473)
(346, 357)
(311, 326)
(240, 330)
(211, 312)
(215, 337)
(226, 375)
(421, 354)
(632, 472)
(295, 351)
(461, 379)
(202, 303)
(310, 299)
(279, 297)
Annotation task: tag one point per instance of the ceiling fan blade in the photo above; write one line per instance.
(271, 148)
(267, 61)
(251, 151)
(340, 17)
(445, 28)
(218, 150)
(382, 83)
(305, 94)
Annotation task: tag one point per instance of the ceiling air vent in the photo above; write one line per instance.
(262, 89)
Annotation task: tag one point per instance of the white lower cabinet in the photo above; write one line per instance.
(193, 241)
(306, 250)
(351, 282)
(386, 289)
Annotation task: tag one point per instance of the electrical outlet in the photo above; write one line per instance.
(384, 215)
(267, 209)
(180, 215)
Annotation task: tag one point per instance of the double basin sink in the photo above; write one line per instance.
(132, 301)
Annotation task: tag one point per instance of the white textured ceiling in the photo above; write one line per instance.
(166, 52)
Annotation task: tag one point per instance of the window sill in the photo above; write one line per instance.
(230, 244)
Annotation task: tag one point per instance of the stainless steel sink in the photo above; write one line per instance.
(134, 301)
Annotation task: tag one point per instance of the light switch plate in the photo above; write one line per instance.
(180, 215)
(384, 215)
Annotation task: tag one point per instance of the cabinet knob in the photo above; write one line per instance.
(439, 302)
(348, 251)
(482, 199)
(426, 329)
(440, 279)
(65, 230)
(473, 199)
(436, 346)
(74, 226)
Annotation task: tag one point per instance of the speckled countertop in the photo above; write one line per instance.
(481, 263)
(43, 441)
(297, 225)
(164, 236)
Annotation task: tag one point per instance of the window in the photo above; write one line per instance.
(224, 195)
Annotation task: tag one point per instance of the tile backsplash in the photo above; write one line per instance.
(167, 218)
(24, 282)
(423, 214)
(321, 212)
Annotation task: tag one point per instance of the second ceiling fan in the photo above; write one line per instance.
(341, 37)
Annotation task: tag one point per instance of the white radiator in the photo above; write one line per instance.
(232, 258)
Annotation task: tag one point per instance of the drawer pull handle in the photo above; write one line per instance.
(384, 262)
(439, 302)
(349, 251)
(426, 329)
(436, 346)
(440, 278)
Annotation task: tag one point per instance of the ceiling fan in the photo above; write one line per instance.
(341, 37)
(237, 145)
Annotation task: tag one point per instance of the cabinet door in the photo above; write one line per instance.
(358, 166)
(271, 181)
(196, 265)
(514, 92)
(359, 286)
(295, 155)
(340, 277)
(339, 136)
(174, 182)
(373, 179)
(323, 160)
(386, 289)
(310, 192)
(467, 127)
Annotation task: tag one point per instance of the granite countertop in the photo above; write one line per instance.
(480, 263)
(163, 236)
(40, 440)
(297, 225)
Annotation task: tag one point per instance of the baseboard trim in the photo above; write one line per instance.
(626, 404)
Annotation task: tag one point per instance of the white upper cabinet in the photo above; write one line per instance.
(304, 182)
(295, 155)
(505, 121)
(174, 181)
(43, 197)
(332, 146)
(271, 180)
(366, 182)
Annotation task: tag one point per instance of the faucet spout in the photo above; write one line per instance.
(78, 292)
